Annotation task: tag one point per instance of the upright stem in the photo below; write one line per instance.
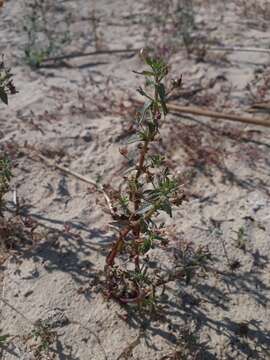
(144, 149)
(140, 170)
(135, 226)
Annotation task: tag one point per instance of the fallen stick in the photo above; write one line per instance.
(85, 179)
(120, 51)
(239, 49)
(92, 53)
(218, 115)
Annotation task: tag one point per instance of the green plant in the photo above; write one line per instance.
(14, 227)
(148, 190)
(6, 83)
(44, 336)
(6, 88)
(241, 239)
(46, 34)
(191, 260)
(4, 340)
(5, 176)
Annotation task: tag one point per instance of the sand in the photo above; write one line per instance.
(69, 113)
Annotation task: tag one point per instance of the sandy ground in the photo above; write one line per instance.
(69, 114)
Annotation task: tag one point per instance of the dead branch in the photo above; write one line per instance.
(91, 53)
(218, 115)
(239, 49)
(85, 179)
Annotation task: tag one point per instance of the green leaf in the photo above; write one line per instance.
(146, 106)
(144, 73)
(141, 91)
(3, 339)
(149, 61)
(143, 225)
(133, 139)
(166, 206)
(162, 97)
(3, 95)
(157, 160)
(147, 244)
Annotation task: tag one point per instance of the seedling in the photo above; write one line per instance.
(43, 40)
(241, 239)
(148, 190)
(191, 260)
(5, 176)
(45, 337)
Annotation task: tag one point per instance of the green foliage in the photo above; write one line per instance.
(4, 340)
(5, 176)
(6, 88)
(44, 336)
(6, 83)
(241, 240)
(148, 190)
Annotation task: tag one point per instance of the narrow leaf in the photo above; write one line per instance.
(3, 339)
(3, 95)
(146, 106)
(162, 97)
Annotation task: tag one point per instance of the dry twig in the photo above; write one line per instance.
(91, 53)
(85, 179)
(218, 115)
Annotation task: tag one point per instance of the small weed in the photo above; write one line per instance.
(148, 189)
(44, 336)
(6, 88)
(5, 176)
(191, 261)
(42, 38)
(15, 227)
(241, 239)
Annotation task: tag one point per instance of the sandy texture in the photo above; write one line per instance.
(69, 114)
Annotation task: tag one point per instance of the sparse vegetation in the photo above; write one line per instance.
(42, 39)
(5, 176)
(6, 88)
(4, 340)
(44, 337)
(6, 82)
(149, 189)
(154, 219)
